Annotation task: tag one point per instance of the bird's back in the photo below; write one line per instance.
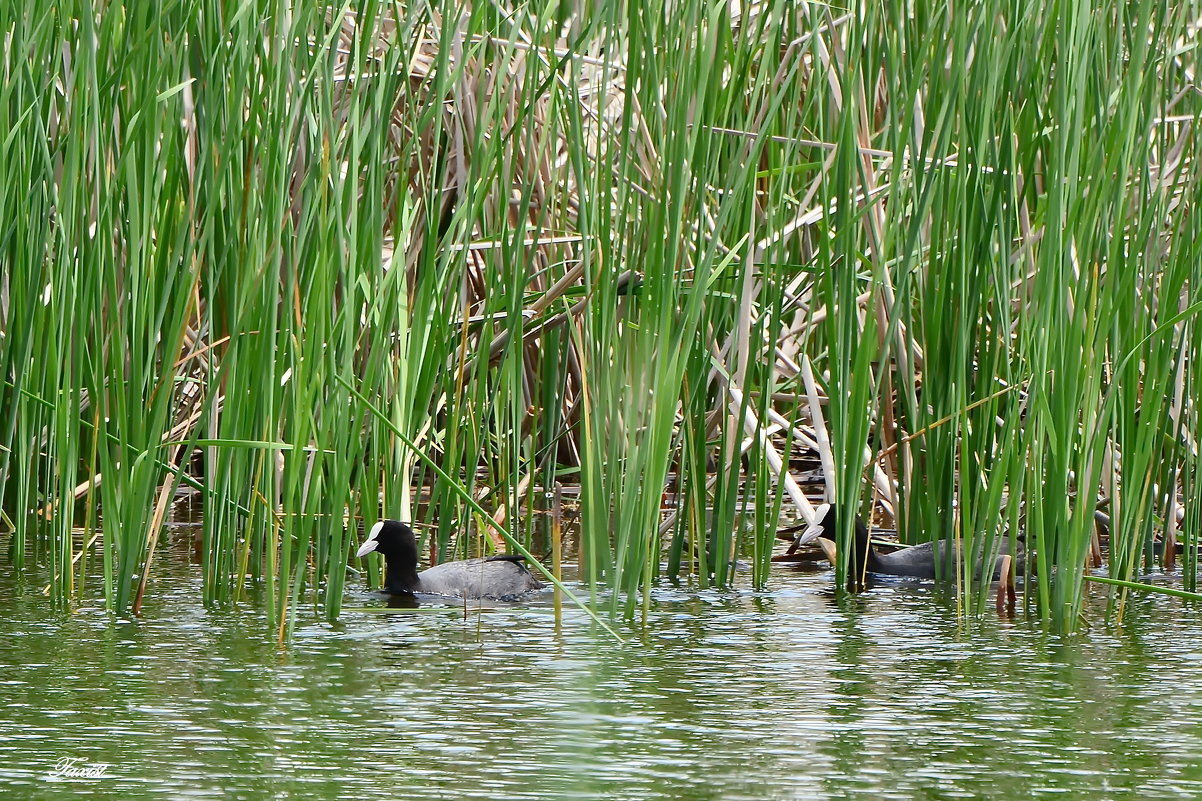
(486, 577)
(919, 561)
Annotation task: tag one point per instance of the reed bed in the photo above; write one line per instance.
(655, 252)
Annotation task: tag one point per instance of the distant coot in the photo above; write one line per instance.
(918, 561)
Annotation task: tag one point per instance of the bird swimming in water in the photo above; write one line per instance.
(938, 557)
(502, 576)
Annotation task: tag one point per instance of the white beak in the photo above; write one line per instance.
(371, 542)
(815, 530)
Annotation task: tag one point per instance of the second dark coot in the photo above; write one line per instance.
(918, 561)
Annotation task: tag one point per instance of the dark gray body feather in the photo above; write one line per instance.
(487, 577)
(920, 561)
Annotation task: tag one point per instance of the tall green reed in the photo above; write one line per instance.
(599, 246)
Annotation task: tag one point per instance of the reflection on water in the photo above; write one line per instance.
(739, 695)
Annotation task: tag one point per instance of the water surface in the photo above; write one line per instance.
(785, 694)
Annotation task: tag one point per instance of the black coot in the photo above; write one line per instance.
(918, 561)
(488, 577)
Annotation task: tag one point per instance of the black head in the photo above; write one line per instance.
(392, 539)
(826, 520)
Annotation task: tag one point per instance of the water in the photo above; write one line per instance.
(725, 695)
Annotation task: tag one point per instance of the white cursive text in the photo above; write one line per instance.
(79, 768)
